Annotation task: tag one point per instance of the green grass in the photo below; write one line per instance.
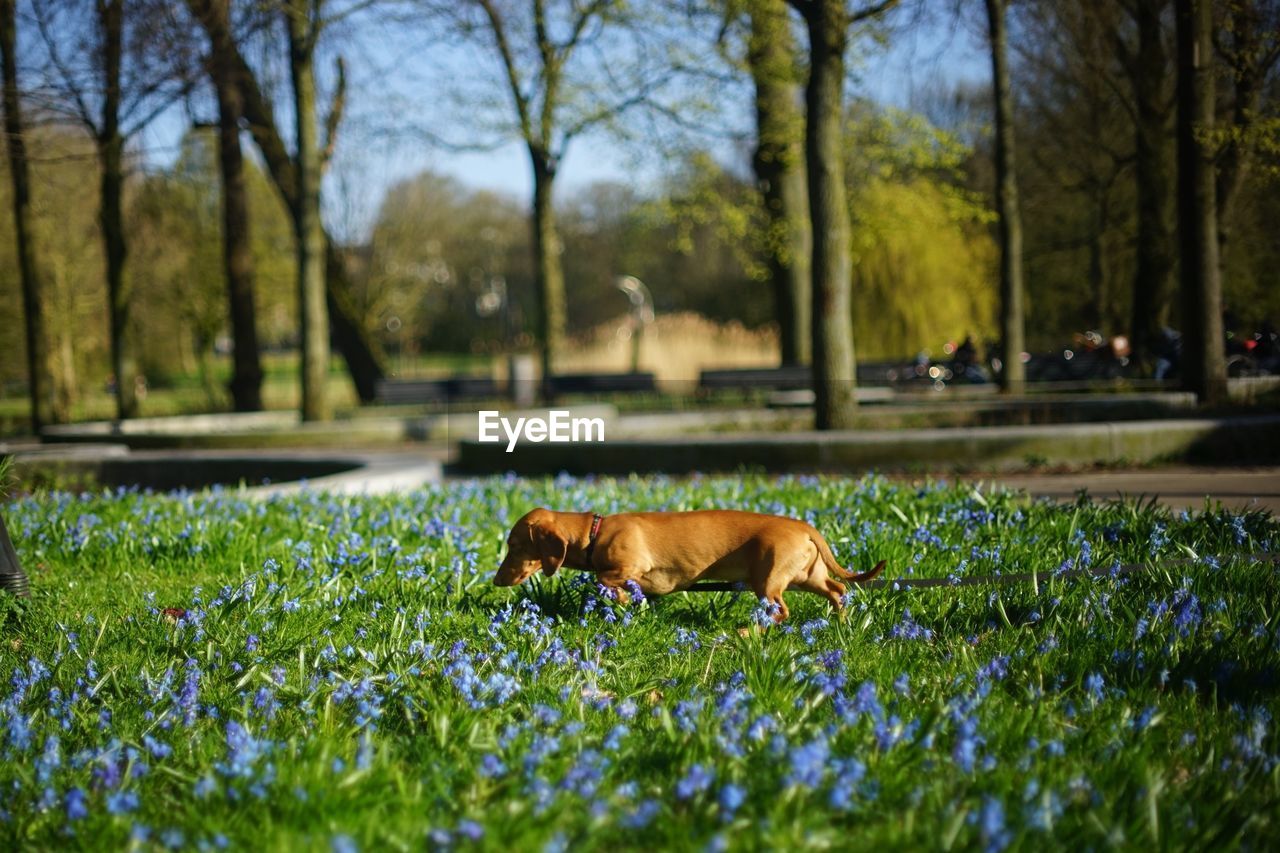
(343, 672)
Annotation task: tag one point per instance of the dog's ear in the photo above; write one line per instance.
(552, 547)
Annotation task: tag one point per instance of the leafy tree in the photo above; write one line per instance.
(1203, 363)
(1012, 335)
(923, 256)
(1248, 42)
(450, 265)
(178, 280)
(114, 76)
(237, 242)
(39, 368)
(564, 69)
(778, 162)
(303, 22)
(1147, 64)
(64, 224)
(364, 361)
(829, 23)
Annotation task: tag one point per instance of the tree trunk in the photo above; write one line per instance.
(1156, 247)
(548, 274)
(1203, 362)
(308, 233)
(1099, 316)
(780, 175)
(835, 403)
(111, 157)
(359, 351)
(237, 251)
(39, 362)
(363, 357)
(1012, 340)
(66, 386)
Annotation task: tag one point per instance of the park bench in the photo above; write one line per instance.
(763, 378)
(602, 383)
(792, 378)
(405, 391)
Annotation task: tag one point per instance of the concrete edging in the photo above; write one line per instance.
(283, 430)
(1253, 439)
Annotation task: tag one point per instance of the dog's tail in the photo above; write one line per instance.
(833, 565)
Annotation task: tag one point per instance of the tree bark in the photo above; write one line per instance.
(111, 157)
(237, 251)
(780, 175)
(40, 384)
(308, 234)
(1156, 247)
(1099, 316)
(363, 357)
(548, 273)
(835, 396)
(1012, 334)
(1203, 362)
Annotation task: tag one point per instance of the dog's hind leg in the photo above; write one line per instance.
(769, 586)
(816, 579)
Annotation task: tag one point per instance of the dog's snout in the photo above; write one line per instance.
(509, 572)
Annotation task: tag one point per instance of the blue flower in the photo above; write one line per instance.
(491, 766)
(731, 799)
(158, 749)
(697, 780)
(1093, 687)
(809, 764)
(909, 629)
(122, 802)
(76, 803)
(766, 612)
(642, 815)
(995, 836)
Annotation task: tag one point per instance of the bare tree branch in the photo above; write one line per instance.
(334, 117)
(498, 28)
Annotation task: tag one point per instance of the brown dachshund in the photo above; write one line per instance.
(669, 551)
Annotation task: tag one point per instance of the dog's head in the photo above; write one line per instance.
(534, 543)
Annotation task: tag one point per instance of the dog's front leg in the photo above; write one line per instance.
(616, 578)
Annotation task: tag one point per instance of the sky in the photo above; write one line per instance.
(396, 77)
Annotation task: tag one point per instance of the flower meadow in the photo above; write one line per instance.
(213, 670)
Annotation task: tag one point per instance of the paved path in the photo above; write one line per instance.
(1179, 487)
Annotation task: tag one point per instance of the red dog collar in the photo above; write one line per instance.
(591, 537)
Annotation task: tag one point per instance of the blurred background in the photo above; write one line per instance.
(217, 205)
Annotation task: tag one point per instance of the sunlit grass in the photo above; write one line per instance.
(314, 671)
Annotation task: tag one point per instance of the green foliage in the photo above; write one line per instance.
(924, 264)
(176, 262)
(173, 223)
(705, 204)
(437, 248)
(920, 277)
(64, 189)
